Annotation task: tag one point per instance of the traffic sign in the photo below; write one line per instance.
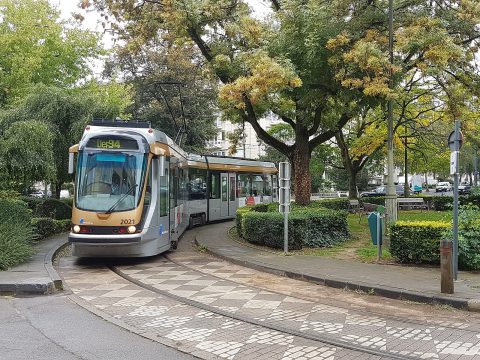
(452, 140)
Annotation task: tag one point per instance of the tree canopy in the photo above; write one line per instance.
(312, 63)
(37, 47)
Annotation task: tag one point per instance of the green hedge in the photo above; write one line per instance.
(53, 208)
(417, 241)
(469, 238)
(45, 227)
(312, 228)
(15, 232)
(334, 204)
(239, 219)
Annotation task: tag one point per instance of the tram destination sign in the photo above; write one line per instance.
(112, 143)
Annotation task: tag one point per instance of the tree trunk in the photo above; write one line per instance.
(352, 183)
(301, 171)
(58, 187)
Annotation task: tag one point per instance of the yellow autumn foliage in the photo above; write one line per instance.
(266, 76)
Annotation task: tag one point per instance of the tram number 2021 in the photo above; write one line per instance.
(127, 221)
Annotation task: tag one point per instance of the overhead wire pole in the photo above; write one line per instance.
(391, 196)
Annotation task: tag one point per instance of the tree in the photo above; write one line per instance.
(64, 113)
(312, 63)
(37, 47)
(26, 154)
(170, 90)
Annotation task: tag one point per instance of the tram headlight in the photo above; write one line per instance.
(76, 229)
(131, 229)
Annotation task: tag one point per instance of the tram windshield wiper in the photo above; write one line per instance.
(109, 211)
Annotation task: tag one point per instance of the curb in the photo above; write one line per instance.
(42, 286)
(48, 263)
(388, 292)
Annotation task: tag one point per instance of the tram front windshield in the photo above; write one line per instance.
(110, 179)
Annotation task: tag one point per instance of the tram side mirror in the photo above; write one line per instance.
(161, 160)
(70, 163)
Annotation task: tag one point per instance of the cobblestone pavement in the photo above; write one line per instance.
(207, 308)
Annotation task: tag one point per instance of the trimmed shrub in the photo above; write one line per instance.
(43, 227)
(14, 212)
(267, 229)
(442, 203)
(417, 241)
(259, 208)
(54, 208)
(62, 226)
(68, 201)
(376, 200)
(321, 228)
(239, 219)
(312, 228)
(469, 238)
(15, 232)
(334, 204)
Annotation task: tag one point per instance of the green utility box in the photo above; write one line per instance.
(375, 220)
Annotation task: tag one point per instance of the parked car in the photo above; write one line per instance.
(417, 189)
(464, 189)
(382, 191)
(64, 194)
(443, 186)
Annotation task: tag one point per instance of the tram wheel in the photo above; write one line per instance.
(190, 222)
(173, 245)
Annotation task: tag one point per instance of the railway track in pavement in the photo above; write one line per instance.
(209, 308)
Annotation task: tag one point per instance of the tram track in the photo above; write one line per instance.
(321, 338)
(137, 274)
(411, 321)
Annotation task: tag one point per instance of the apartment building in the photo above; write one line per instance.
(250, 147)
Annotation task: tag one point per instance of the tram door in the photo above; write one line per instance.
(228, 195)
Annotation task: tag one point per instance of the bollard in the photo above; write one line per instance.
(446, 267)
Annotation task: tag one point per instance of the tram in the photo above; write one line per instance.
(136, 191)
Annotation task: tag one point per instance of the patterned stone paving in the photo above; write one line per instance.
(216, 284)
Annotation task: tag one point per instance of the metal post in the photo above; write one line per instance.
(379, 240)
(391, 196)
(455, 201)
(285, 233)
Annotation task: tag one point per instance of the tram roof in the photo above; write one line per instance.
(116, 126)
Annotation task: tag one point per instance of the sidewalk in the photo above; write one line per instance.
(37, 276)
(392, 281)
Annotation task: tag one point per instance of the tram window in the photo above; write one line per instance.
(182, 185)
(164, 194)
(197, 184)
(173, 187)
(244, 185)
(257, 185)
(232, 188)
(215, 186)
(268, 185)
(148, 189)
(224, 188)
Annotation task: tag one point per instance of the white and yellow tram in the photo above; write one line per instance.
(136, 191)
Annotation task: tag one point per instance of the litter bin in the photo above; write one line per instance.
(375, 220)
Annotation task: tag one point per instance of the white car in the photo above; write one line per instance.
(443, 186)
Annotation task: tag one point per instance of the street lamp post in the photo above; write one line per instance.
(391, 195)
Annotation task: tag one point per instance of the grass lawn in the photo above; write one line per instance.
(360, 248)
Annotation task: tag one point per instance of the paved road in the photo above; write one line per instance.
(213, 309)
(55, 328)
